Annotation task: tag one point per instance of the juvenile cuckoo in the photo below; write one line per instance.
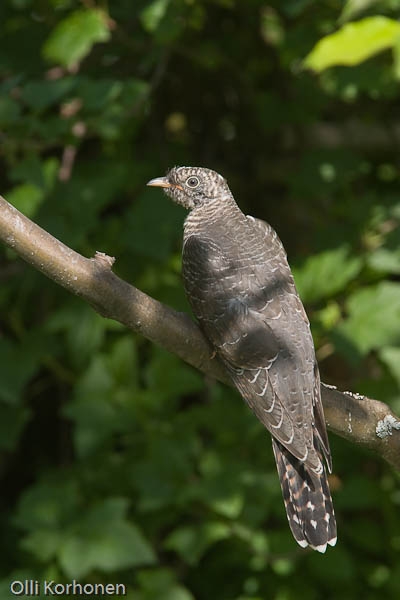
(242, 292)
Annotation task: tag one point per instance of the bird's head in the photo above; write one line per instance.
(192, 186)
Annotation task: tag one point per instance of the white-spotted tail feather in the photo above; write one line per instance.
(307, 500)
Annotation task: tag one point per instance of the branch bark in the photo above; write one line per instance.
(357, 418)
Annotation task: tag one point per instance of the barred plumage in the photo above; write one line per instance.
(307, 501)
(242, 292)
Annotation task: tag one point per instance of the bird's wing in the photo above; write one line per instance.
(251, 313)
(307, 344)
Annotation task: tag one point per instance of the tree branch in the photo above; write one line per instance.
(357, 418)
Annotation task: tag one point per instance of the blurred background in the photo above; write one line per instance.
(118, 462)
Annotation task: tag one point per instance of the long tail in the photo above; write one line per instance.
(307, 500)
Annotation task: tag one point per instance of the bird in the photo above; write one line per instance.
(241, 290)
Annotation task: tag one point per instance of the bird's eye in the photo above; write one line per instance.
(192, 182)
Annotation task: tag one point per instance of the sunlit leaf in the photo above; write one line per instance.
(326, 274)
(73, 38)
(373, 317)
(353, 43)
(385, 260)
(396, 59)
(154, 12)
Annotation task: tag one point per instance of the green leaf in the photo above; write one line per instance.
(192, 542)
(48, 505)
(161, 584)
(105, 540)
(96, 94)
(41, 174)
(329, 315)
(357, 494)
(391, 357)
(339, 569)
(84, 330)
(152, 15)
(115, 106)
(91, 407)
(162, 477)
(9, 111)
(271, 26)
(170, 377)
(95, 424)
(122, 361)
(373, 317)
(17, 365)
(43, 543)
(100, 537)
(86, 335)
(40, 95)
(74, 37)
(74, 208)
(353, 8)
(353, 43)
(325, 274)
(26, 197)
(385, 260)
(221, 487)
(396, 59)
(366, 538)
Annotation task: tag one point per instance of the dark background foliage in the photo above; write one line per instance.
(119, 463)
